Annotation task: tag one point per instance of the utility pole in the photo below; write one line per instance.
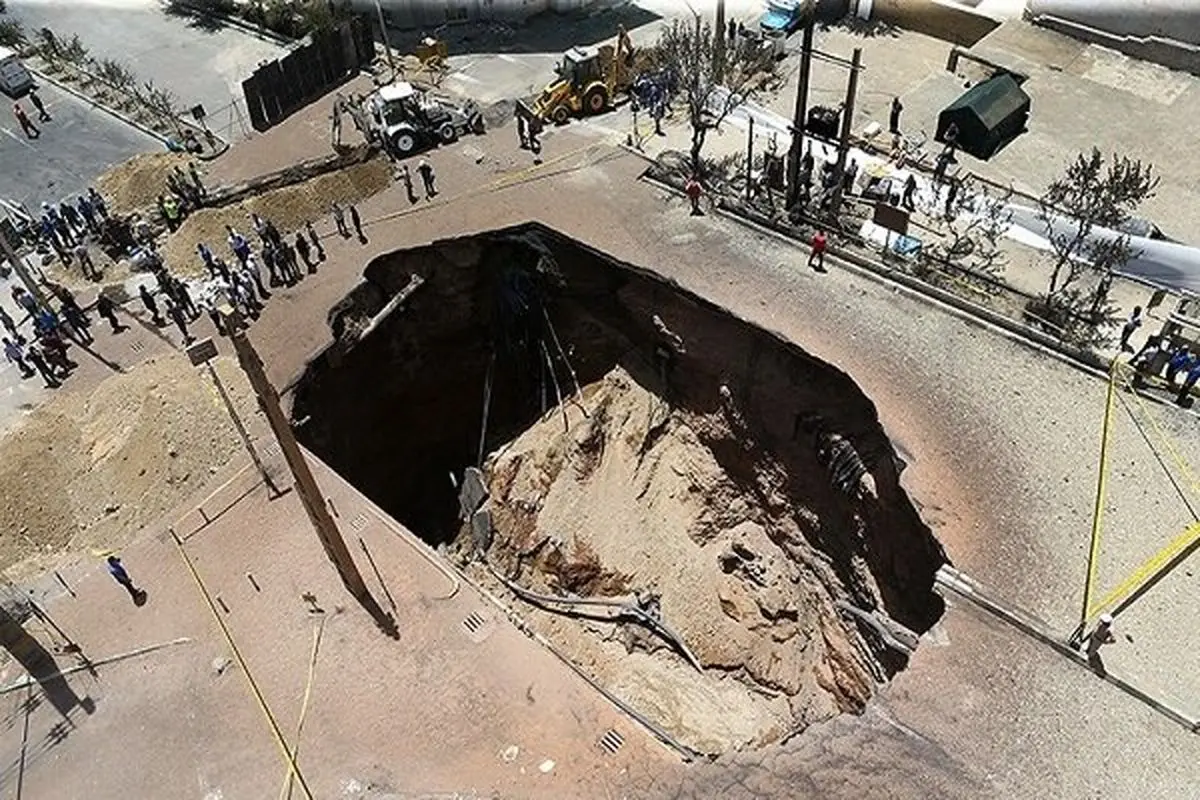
(801, 113)
(306, 484)
(719, 44)
(750, 159)
(847, 125)
(18, 265)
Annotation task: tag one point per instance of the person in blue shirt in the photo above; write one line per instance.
(1193, 375)
(1181, 361)
(117, 570)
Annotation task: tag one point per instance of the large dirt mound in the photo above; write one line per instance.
(133, 185)
(289, 208)
(634, 500)
(89, 471)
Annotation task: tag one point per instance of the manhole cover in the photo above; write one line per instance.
(611, 741)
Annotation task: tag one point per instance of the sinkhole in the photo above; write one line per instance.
(700, 515)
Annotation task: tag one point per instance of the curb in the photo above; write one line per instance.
(232, 22)
(206, 157)
(106, 109)
(966, 310)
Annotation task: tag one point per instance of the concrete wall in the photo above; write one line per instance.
(1165, 32)
(1177, 20)
(946, 21)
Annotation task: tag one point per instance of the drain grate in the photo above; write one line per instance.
(272, 450)
(137, 346)
(358, 523)
(478, 627)
(611, 741)
(474, 622)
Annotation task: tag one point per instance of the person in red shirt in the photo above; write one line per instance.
(817, 259)
(27, 125)
(694, 191)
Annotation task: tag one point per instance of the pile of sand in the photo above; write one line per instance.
(289, 208)
(89, 471)
(635, 499)
(134, 185)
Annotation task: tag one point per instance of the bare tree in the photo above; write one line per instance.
(1093, 193)
(975, 235)
(691, 52)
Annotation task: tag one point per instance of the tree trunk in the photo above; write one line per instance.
(698, 134)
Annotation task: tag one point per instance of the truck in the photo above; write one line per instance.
(405, 119)
(784, 17)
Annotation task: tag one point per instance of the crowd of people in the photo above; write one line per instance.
(45, 352)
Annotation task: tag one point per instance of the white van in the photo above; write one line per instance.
(14, 77)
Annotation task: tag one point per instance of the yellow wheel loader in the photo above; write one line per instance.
(589, 78)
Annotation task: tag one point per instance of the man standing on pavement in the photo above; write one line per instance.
(425, 170)
(106, 308)
(87, 212)
(10, 325)
(406, 178)
(357, 222)
(894, 116)
(36, 99)
(910, 189)
(339, 218)
(693, 191)
(305, 252)
(951, 196)
(817, 259)
(255, 271)
(175, 311)
(1134, 322)
(16, 354)
(238, 245)
(117, 570)
(39, 362)
(150, 304)
(316, 240)
(27, 126)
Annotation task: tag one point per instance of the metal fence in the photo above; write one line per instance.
(279, 88)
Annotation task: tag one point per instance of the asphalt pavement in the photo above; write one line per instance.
(198, 62)
(79, 143)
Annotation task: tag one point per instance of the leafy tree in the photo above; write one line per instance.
(690, 51)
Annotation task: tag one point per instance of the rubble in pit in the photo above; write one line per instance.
(706, 519)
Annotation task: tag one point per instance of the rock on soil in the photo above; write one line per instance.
(634, 499)
(89, 471)
(289, 208)
(134, 185)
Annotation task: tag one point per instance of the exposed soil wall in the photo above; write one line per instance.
(685, 471)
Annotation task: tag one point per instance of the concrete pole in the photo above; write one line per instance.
(750, 160)
(847, 126)
(719, 44)
(306, 484)
(18, 265)
(801, 112)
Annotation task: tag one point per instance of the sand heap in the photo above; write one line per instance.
(134, 185)
(635, 498)
(90, 471)
(289, 208)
